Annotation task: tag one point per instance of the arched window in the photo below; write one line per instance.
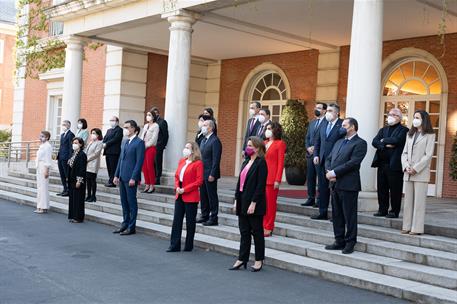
(271, 91)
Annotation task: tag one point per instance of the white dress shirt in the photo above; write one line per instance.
(183, 170)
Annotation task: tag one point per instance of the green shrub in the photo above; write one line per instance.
(453, 161)
(5, 135)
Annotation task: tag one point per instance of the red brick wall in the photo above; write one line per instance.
(6, 80)
(156, 82)
(301, 71)
(448, 61)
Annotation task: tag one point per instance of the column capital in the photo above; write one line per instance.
(75, 41)
(181, 19)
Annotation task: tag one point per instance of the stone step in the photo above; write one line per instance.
(387, 234)
(381, 283)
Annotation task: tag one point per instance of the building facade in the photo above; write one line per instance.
(183, 56)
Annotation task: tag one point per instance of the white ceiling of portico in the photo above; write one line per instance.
(275, 26)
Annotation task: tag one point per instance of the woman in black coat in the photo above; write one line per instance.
(77, 182)
(250, 204)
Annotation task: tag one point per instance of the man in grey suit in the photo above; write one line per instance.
(311, 170)
(343, 172)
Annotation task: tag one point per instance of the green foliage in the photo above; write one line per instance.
(5, 136)
(294, 121)
(453, 161)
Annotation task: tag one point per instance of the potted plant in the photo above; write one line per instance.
(294, 121)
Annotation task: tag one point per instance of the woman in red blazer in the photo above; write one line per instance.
(188, 179)
(276, 149)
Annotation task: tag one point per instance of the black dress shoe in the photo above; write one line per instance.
(88, 199)
(127, 232)
(59, 194)
(172, 250)
(309, 202)
(110, 185)
(202, 220)
(122, 229)
(188, 249)
(335, 246)
(64, 194)
(348, 249)
(94, 199)
(379, 214)
(392, 215)
(315, 205)
(319, 217)
(210, 223)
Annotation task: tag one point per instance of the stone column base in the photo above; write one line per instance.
(368, 201)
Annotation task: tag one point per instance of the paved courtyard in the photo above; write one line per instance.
(44, 259)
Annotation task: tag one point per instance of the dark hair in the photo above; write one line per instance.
(276, 128)
(154, 115)
(324, 105)
(80, 141)
(210, 111)
(98, 132)
(258, 143)
(84, 122)
(155, 109)
(267, 111)
(426, 124)
(134, 125)
(353, 122)
(205, 117)
(334, 105)
(46, 134)
(258, 105)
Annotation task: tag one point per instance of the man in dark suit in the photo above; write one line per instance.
(161, 144)
(343, 171)
(264, 119)
(311, 170)
(253, 124)
(112, 148)
(128, 175)
(211, 150)
(328, 135)
(65, 152)
(389, 143)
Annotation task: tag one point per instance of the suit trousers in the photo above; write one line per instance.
(111, 165)
(181, 209)
(324, 191)
(148, 166)
(344, 215)
(414, 206)
(251, 224)
(390, 188)
(272, 200)
(311, 175)
(64, 170)
(91, 180)
(209, 200)
(129, 204)
(158, 164)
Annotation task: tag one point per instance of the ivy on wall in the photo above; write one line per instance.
(453, 161)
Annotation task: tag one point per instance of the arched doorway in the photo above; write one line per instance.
(415, 83)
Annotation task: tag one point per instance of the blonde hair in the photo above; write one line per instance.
(258, 143)
(196, 154)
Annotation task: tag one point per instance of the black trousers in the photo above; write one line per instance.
(76, 202)
(209, 200)
(344, 215)
(311, 175)
(158, 165)
(64, 170)
(390, 188)
(91, 179)
(181, 209)
(324, 191)
(251, 224)
(111, 165)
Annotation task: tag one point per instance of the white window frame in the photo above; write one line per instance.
(2, 50)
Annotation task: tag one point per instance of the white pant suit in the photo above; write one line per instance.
(43, 163)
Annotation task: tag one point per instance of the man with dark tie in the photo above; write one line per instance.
(389, 144)
(264, 119)
(329, 132)
(162, 141)
(343, 172)
(253, 122)
(311, 170)
(112, 148)
(64, 154)
(128, 176)
(211, 150)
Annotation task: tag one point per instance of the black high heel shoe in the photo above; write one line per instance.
(151, 190)
(244, 264)
(253, 269)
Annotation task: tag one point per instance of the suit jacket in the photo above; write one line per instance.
(397, 138)
(323, 145)
(112, 141)
(78, 172)
(93, 151)
(418, 156)
(192, 180)
(130, 160)
(65, 148)
(313, 130)
(262, 128)
(162, 140)
(250, 132)
(253, 189)
(211, 151)
(345, 162)
(275, 161)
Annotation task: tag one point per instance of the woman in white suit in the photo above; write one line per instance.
(93, 152)
(416, 160)
(43, 165)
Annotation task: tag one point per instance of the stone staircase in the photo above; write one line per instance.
(420, 269)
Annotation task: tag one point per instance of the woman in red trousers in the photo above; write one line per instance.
(188, 179)
(276, 149)
(149, 136)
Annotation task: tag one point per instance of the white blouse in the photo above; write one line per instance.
(183, 170)
(44, 155)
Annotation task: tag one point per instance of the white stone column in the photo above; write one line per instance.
(177, 89)
(72, 83)
(364, 82)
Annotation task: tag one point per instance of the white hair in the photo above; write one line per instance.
(398, 112)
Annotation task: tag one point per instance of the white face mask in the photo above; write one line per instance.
(186, 152)
(126, 132)
(417, 122)
(75, 147)
(268, 133)
(261, 119)
(200, 124)
(112, 123)
(94, 136)
(251, 112)
(80, 126)
(204, 130)
(329, 116)
(148, 118)
(391, 120)
(64, 129)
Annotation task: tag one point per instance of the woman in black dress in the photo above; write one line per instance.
(77, 182)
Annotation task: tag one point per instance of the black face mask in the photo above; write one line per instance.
(317, 113)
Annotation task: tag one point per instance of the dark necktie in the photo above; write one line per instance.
(343, 144)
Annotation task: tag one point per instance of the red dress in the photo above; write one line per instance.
(275, 164)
